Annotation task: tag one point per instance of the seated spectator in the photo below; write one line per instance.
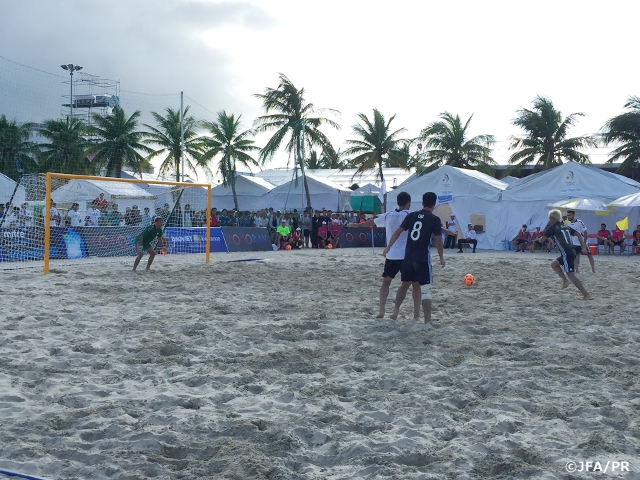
(604, 238)
(470, 238)
(534, 241)
(636, 239)
(283, 233)
(322, 235)
(114, 217)
(522, 240)
(617, 238)
(334, 231)
(297, 239)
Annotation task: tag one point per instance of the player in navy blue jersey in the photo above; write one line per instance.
(422, 227)
(565, 262)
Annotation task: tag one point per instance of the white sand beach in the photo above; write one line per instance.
(277, 369)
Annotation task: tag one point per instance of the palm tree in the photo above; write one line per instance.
(168, 136)
(546, 144)
(376, 147)
(120, 143)
(67, 150)
(231, 146)
(446, 142)
(295, 119)
(16, 152)
(624, 129)
(323, 160)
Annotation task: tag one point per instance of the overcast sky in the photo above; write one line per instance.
(414, 59)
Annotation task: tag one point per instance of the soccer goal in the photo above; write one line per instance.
(59, 219)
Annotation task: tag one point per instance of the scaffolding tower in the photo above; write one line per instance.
(91, 95)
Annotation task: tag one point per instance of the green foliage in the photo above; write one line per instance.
(167, 136)
(624, 131)
(230, 146)
(66, 151)
(446, 142)
(120, 143)
(16, 152)
(546, 144)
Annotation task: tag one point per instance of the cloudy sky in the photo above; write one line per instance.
(414, 59)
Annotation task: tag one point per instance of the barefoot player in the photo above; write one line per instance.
(143, 242)
(565, 263)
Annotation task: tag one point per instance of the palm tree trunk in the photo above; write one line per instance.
(384, 203)
(233, 189)
(304, 177)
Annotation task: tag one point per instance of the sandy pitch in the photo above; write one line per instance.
(278, 369)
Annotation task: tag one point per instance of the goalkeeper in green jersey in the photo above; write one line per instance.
(143, 242)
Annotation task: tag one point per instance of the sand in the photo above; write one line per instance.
(278, 369)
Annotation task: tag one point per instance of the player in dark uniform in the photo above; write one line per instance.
(422, 227)
(565, 263)
(143, 242)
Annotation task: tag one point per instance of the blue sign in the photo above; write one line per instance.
(193, 240)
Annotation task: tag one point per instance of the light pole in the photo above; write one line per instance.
(71, 68)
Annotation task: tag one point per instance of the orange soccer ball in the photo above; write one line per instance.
(329, 246)
(288, 247)
(469, 279)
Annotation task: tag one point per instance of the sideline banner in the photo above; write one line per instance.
(193, 240)
(247, 239)
(109, 241)
(20, 244)
(361, 237)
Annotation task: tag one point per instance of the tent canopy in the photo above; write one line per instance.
(324, 194)
(252, 193)
(85, 191)
(7, 188)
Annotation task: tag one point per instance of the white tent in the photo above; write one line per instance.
(525, 202)
(470, 195)
(196, 197)
(7, 189)
(345, 178)
(252, 193)
(123, 194)
(324, 194)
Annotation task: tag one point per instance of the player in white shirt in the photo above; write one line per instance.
(581, 228)
(74, 216)
(391, 221)
(25, 216)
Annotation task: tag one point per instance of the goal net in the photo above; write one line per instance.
(57, 219)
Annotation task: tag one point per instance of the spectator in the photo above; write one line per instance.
(165, 212)
(223, 218)
(352, 218)
(452, 234)
(617, 238)
(101, 202)
(128, 217)
(334, 231)
(25, 216)
(283, 233)
(361, 217)
(306, 225)
(604, 238)
(295, 220)
(322, 235)
(137, 217)
(316, 222)
(13, 220)
(145, 220)
(73, 216)
(297, 239)
(213, 218)
(54, 214)
(534, 240)
(522, 239)
(262, 221)
(93, 216)
(114, 217)
(188, 216)
(470, 238)
(636, 239)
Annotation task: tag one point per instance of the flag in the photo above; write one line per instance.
(383, 190)
(623, 224)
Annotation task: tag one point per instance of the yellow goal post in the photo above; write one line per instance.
(47, 207)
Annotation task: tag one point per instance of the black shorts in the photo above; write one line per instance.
(391, 268)
(416, 272)
(567, 261)
(617, 244)
(520, 241)
(307, 232)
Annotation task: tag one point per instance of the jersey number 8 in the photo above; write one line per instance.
(415, 232)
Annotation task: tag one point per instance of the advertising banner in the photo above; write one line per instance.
(108, 241)
(20, 244)
(247, 239)
(361, 237)
(193, 240)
